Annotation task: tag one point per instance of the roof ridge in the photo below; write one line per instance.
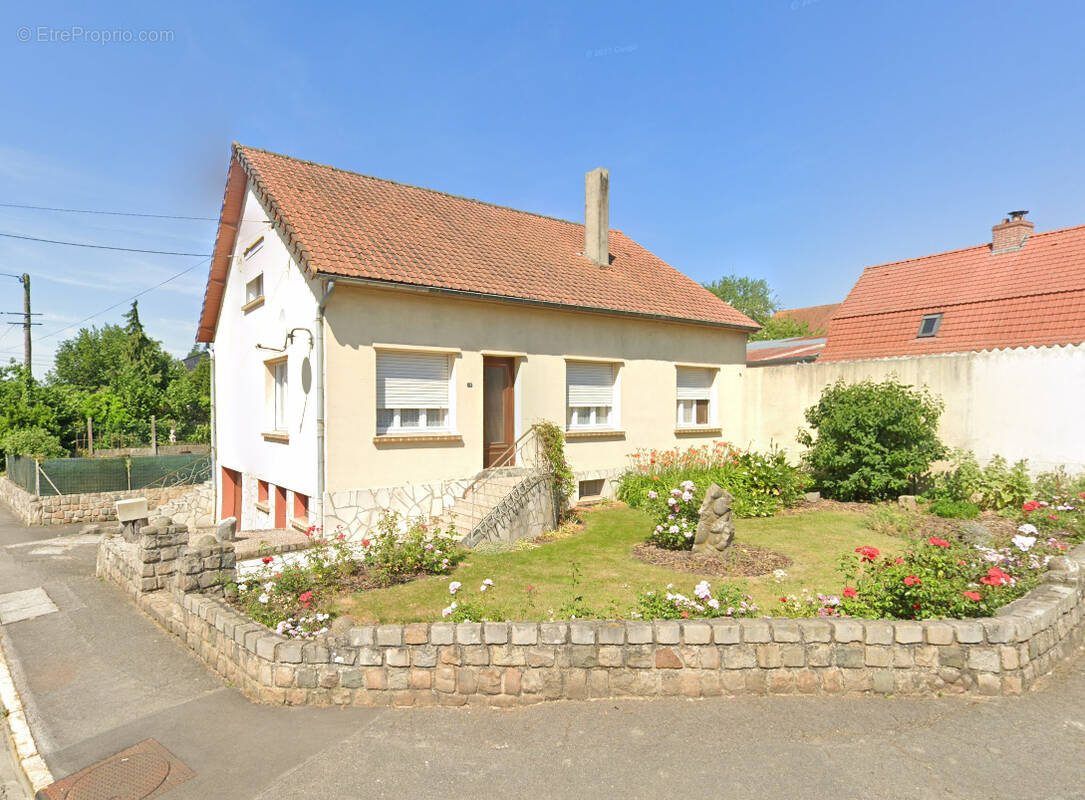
(238, 145)
(1031, 236)
(961, 303)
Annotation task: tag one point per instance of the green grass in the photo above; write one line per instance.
(610, 577)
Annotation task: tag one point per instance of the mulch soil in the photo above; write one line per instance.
(825, 505)
(739, 560)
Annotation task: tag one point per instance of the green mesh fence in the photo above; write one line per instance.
(20, 470)
(85, 475)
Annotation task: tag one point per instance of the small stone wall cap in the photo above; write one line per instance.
(207, 541)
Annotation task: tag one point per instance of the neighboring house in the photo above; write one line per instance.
(794, 350)
(1021, 289)
(376, 345)
(816, 317)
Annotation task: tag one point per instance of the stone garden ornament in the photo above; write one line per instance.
(716, 529)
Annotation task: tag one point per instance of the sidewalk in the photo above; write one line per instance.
(96, 677)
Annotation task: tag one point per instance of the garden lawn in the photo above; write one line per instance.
(533, 584)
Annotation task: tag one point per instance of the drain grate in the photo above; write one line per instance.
(141, 772)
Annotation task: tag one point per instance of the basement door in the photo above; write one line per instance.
(498, 407)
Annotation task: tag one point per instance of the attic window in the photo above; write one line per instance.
(253, 248)
(929, 326)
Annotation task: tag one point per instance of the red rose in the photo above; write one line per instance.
(1052, 516)
(915, 606)
(898, 560)
(972, 595)
(938, 542)
(1031, 505)
(996, 577)
(685, 615)
(850, 592)
(365, 543)
(912, 580)
(783, 599)
(268, 559)
(867, 553)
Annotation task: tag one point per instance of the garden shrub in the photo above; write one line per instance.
(939, 578)
(871, 441)
(552, 439)
(33, 442)
(395, 554)
(759, 483)
(954, 509)
(727, 600)
(676, 514)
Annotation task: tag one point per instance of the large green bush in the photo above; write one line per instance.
(33, 442)
(760, 483)
(871, 441)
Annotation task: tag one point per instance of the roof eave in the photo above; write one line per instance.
(423, 289)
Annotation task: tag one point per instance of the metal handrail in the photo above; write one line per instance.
(504, 461)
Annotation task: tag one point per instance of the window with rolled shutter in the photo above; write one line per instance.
(694, 395)
(590, 394)
(412, 391)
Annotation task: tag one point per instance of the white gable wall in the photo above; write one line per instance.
(243, 415)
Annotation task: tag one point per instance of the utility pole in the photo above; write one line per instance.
(24, 279)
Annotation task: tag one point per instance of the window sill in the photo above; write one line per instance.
(301, 525)
(254, 303)
(600, 433)
(417, 438)
(276, 436)
(702, 430)
(263, 507)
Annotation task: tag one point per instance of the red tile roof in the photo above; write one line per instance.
(817, 317)
(1031, 296)
(341, 223)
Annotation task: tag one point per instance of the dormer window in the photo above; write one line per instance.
(929, 326)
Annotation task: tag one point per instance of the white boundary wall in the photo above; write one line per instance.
(1017, 403)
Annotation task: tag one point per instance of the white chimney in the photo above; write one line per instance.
(597, 216)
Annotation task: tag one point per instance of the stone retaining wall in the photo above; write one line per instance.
(162, 559)
(518, 663)
(70, 509)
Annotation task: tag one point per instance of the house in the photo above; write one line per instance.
(816, 317)
(793, 350)
(378, 345)
(1021, 289)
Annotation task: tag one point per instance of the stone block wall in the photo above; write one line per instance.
(527, 511)
(162, 559)
(518, 663)
(74, 509)
(193, 507)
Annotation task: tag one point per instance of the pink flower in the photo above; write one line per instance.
(912, 580)
(972, 595)
(850, 592)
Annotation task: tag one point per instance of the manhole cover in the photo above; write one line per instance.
(139, 773)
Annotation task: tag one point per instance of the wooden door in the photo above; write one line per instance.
(498, 408)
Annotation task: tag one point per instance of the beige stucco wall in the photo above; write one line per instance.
(1020, 403)
(357, 317)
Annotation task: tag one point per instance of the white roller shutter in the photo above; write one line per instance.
(695, 383)
(589, 384)
(412, 380)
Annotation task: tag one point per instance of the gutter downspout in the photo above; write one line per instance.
(318, 325)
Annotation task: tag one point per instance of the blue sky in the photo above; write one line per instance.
(794, 140)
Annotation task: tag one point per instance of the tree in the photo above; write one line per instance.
(873, 440)
(188, 403)
(91, 359)
(33, 442)
(751, 296)
(783, 328)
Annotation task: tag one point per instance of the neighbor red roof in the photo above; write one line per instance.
(341, 223)
(817, 317)
(1031, 296)
(784, 351)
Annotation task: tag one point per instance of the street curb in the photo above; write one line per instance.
(22, 739)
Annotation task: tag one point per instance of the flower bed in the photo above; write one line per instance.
(760, 483)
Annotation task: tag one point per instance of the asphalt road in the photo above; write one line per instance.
(96, 677)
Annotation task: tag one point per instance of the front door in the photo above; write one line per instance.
(498, 429)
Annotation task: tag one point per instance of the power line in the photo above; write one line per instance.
(102, 246)
(128, 299)
(107, 213)
(118, 213)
